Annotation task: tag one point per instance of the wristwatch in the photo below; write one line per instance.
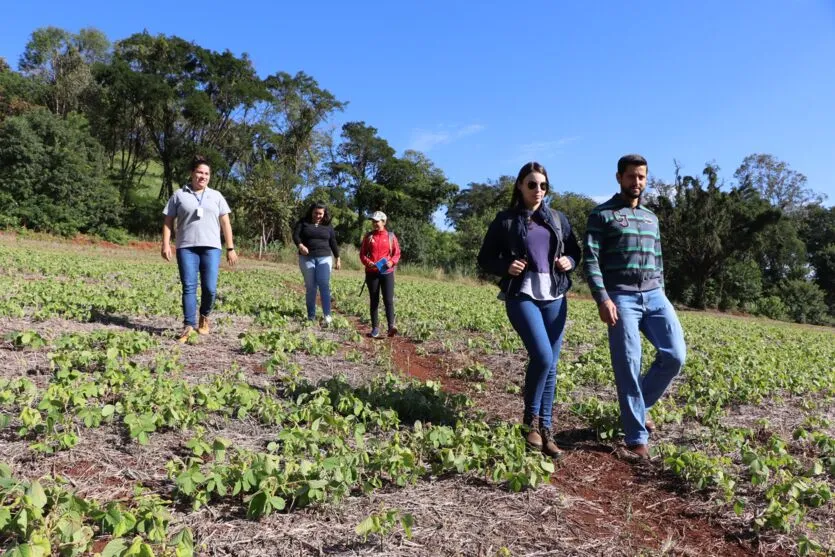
(230, 249)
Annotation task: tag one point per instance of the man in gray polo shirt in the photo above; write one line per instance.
(200, 213)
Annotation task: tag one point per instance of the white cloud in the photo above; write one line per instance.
(425, 140)
(543, 149)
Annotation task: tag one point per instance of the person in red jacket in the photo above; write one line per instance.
(379, 253)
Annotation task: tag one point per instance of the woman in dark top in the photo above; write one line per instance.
(318, 252)
(533, 248)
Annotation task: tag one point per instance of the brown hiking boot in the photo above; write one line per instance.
(640, 450)
(533, 437)
(549, 448)
(203, 326)
(183, 338)
(649, 424)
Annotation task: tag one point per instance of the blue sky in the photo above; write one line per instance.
(483, 88)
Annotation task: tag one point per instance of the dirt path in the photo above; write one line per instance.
(612, 499)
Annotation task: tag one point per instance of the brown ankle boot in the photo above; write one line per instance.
(533, 437)
(549, 448)
(203, 326)
(183, 338)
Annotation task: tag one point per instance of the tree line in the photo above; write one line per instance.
(95, 136)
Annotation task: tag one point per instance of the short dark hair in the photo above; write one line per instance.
(308, 216)
(198, 160)
(533, 166)
(631, 160)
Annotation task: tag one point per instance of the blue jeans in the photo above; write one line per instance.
(652, 314)
(317, 274)
(190, 261)
(540, 325)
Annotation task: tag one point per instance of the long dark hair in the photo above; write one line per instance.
(308, 216)
(533, 166)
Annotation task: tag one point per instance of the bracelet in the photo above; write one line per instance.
(230, 249)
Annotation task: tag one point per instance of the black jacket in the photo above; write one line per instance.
(505, 241)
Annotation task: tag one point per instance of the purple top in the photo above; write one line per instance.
(538, 282)
(538, 243)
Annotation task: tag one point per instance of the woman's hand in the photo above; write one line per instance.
(165, 251)
(517, 267)
(231, 257)
(338, 264)
(563, 264)
(303, 249)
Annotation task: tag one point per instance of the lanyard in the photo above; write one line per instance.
(199, 199)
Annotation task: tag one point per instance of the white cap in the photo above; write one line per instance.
(379, 215)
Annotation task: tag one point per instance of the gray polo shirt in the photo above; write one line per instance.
(194, 231)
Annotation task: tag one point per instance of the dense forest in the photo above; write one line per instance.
(95, 136)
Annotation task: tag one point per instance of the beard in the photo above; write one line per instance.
(629, 193)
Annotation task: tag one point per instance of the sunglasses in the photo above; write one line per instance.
(541, 185)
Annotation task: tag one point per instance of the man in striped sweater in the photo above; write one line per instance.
(625, 272)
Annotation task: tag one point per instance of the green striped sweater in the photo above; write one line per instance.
(622, 249)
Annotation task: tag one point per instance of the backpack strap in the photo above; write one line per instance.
(555, 216)
(368, 243)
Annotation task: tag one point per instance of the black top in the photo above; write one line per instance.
(320, 240)
(506, 240)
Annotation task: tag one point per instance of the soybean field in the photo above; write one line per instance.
(276, 436)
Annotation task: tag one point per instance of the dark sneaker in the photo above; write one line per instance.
(375, 332)
(392, 331)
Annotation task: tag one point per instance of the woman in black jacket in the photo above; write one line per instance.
(318, 252)
(532, 248)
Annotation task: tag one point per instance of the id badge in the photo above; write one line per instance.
(200, 212)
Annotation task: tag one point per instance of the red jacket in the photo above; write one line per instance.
(375, 246)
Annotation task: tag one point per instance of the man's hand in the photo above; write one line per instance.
(517, 267)
(608, 312)
(165, 252)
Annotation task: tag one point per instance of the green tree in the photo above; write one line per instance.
(410, 186)
(19, 93)
(818, 233)
(804, 301)
(780, 252)
(298, 106)
(52, 175)
(116, 116)
(269, 200)
(480, 199)
(353, 168)
(576, 208)
(190, 99)
(704, 228)
(62, 61)
(776, 182)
